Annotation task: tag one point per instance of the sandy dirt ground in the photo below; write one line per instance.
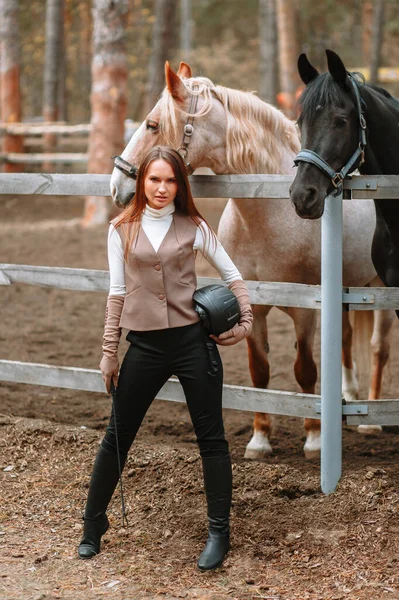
(289, 541)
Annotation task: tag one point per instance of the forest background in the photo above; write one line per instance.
(226, 39)
(102, 62)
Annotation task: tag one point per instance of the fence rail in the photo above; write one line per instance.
(235, 397)
(58, 127)
(297, 295)
(276, 402)
(203, 186)
(38, 158)
(37, 130)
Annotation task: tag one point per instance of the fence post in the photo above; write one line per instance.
(331, 344)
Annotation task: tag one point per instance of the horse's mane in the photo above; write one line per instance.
(257, 136)
(381, 90)
(386, 95)
(326, 92)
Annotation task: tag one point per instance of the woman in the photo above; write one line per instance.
(151, 253)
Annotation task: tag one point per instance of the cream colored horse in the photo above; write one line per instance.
(235, 132)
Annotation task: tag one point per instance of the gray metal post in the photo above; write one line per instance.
(331, 344)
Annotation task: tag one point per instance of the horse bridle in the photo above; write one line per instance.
(131, 171)
(337, 177)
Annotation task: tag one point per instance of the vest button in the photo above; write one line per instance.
(157, 267)
(161, 296)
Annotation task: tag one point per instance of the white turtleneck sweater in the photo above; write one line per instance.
(155, 224)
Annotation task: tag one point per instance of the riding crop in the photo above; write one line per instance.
(113, 394)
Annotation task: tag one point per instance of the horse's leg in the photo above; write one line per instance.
(383, 320)
(259, 445)
(350, 384)
(306, 371)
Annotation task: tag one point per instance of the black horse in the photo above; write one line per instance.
(346, 124)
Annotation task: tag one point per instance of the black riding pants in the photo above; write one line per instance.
(153, 356)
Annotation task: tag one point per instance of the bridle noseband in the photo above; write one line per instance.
(337, 177)
(124, 166)
(131, 171)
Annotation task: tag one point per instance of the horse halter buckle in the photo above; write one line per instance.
(337, 180)
(189, 169)
(362, 121)
(183, 151)
(188, 129)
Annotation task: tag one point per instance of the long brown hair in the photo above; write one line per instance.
(130, 218)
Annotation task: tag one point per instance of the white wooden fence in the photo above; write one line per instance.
(383, 412)
(38, 129)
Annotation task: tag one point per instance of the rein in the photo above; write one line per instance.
(131, 171)
(337, 177)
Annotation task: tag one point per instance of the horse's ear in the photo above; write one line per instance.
(184, 70)
(306, 71)
(174, 83)
(336, 67)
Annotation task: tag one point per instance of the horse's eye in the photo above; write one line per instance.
(152, 125)
(339, 123)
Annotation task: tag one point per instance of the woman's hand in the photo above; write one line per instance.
(232, 336)
(244, 327)
(109, 367)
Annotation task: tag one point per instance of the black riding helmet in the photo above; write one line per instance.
(217, 307)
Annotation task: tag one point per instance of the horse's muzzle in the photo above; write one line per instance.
(307, 201)
(306, 213)
(121, 200)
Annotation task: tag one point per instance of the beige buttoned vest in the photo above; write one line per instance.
(160, 285)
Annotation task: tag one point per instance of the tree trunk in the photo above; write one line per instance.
(53, 69)
(288, 54)
(163, 42)
(61, 92)
(376, 40)
(10, 92)
(85, 48)
(267, 51)
(108, 98)
(357, 33)
(367, 19)
(186, 29)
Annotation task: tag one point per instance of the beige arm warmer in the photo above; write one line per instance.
(240, 290)
(244, 326)
(112, 333)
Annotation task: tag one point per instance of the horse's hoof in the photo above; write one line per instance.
(258, 447)
(312, 445)
(311, 454)
(350, 386)
(350, 395)
(253, 454)
(369, 429)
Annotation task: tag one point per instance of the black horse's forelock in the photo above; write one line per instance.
(324, 91)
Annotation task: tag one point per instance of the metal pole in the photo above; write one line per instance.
(331, 344)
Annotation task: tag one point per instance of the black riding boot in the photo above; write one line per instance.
(103, 482)
(218, 488)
